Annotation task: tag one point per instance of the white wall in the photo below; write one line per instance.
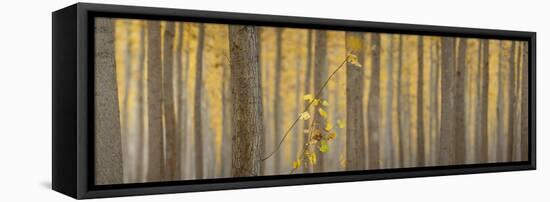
(25, 101)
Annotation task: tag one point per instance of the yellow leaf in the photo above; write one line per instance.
(323, 113)
(340, 123)
(296, 164)
(352, 59)
(315, 102)
(312, 158)
(324, 103)
(331, 136)
(308, 97)
(328, 127)
(305, 116)
(324, 146)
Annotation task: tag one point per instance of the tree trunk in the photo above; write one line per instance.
(460, 105)
(373, 107)
(307, 89)
(141, 112)
(154, 101)
(247, 101)
(355, 139)
(420, 104)
(197, 107)
(433, 102)
(447, 134)
(108, 145)
(400, 103)
(500, 106)
(512, 121)
(320, 74)
(172, 139)
(226, 121)
(125, 111)
(181, 127)
(388, 138)
(525, 103)
(484, 154)
(277, 103)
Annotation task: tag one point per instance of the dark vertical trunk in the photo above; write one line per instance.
(484, 154)
(247, 101)
(500, 106)
(460, 105)
(400, 102)
(277, 103)
(437, 91)
(108, 145)
(388, 136)
(373, 107)
(154, 103)
(307, 87)
(447, 140)
(355, 139)
(432, 101)
(525, 102)
(197, 106)
(512, 121)
(420, 104)
(320, 74)
(226, 121)
(172, 139)
(181, 117)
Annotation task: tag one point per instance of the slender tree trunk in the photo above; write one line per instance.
(437, 91)
(400, 103)
(172, 139)
(307, 88)
(484, 154)
(247, 101)
(154, 102)
(355, 140)
(141, 105)
(433, 102)
(108, 145)
(388, 139)
(198, 113)
(460, 105)
(186, 136)
(500, 106)
(373, 107)
(447, 140)
(277, 104)
(320, 74)
(226, 121)
(512, 121)
(477, 120)
(182, 104)
(420, 104)
(525, 103)
(297, 105)
(125, 111)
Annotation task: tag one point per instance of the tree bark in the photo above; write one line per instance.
(525, 103)
(277, 103)
(447, 135)
(307, 89)
(484, 154)
(420, 104)
(141, 105)
(512, 121)
(400, 103)
(226, 120)
(108, 145)
(197, 106)
(355, 139)
(172, 139)
(500, 106)
(320, 72)
(373, 107)
(154, 100)
(388, 139)
(181, 127)
(460, 105)
(247, 101)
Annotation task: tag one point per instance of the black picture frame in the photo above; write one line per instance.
(73, 120)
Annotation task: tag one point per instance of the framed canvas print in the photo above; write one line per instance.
(154, 100)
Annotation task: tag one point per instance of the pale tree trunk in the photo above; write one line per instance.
(373, 107)
(277, 97)
(512, 121)
(433, 101)
(155, 171)
(525, 103)
(421, 155)
(307, 89)
(437, 91)
(447, 134)
(400, 115)
(484, 154)
(108, 145)
(247, 101)
(320, 74)
(388, 138)
(197, 106)
(141, 105)
(125, 111)
(500, 106)
(355, 139)
(226, 121)
(477, 119)
(181, 117)
(172, 139)
(460, 105)
(297, 106)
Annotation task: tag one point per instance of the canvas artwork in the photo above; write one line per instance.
(179, 100)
